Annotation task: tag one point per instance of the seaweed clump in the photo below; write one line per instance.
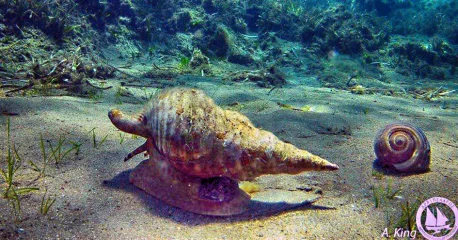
(270, 77)
(435, 59)
(338, 28)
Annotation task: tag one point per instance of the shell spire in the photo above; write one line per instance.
(279, 157)
(260, 152)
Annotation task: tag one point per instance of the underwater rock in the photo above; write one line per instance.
(415, 51)
(404, 147)
(269, 77)
(240, 56)
(239, 25)
(180, 21)
(338, 28)
(198, 151)
(427, 61)
(198, 59)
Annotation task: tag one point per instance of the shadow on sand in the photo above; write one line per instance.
(391, 171)
(256, 210)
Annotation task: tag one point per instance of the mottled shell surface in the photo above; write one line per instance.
(201, 139)
(404, 147)
(199, 151)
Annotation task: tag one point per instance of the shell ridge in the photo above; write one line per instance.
(202, 139)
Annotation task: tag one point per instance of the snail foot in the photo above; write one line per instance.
(217, 196)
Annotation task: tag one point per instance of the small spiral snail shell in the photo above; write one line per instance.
(404, 147)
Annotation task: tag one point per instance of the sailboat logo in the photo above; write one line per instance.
(440, 223)
(436, 223)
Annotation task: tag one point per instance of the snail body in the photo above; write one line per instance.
(404, 147)
(200, 150)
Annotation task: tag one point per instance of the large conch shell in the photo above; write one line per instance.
(198, 151)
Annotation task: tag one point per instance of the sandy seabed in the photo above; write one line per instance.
(94, 199)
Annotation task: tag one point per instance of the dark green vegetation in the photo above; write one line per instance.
(399, 212)
(95, 143)
(13, 163)
(46, 203)
(382, 195)
(48, 46)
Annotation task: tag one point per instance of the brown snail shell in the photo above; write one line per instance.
(404, 147)
(199, 151)
(199, 138)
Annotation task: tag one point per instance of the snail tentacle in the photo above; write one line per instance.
(137, 151)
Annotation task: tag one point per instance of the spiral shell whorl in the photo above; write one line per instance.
(403, 146)
(180, 123)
